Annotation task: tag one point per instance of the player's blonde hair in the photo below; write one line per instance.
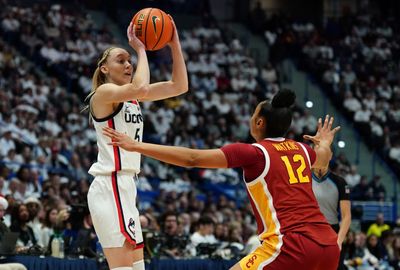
(99, 77)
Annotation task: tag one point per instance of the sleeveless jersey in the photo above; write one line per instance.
(282, 197)
(126, 119)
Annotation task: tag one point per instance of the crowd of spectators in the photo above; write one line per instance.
(377, 248)
(60, 39)
(354, 58)
(47, 145)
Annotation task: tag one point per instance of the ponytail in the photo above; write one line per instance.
(278, 113)
(98, 78)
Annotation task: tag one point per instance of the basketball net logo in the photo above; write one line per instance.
(154, 20)
(250, 262)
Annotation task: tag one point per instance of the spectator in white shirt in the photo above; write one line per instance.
(353, 177)
(309, 120)
(10, 24)
(376, 128)
(204, 233)
(13, 161)
(238, 82)
(394, 112)
(6, 143)
(394, 152)
(331, 76)
(349, 77)
(384, 90)
(51, 125)
(13, 189)
(369, 101)
(268, 73)
(351, 103)
(250, 83)
(363, 115)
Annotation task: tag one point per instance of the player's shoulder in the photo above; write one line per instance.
(105, 87)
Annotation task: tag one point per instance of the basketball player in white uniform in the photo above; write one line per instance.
(114, 102)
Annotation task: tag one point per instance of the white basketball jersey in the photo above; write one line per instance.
(126, 119)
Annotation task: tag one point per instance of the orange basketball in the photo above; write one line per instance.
(153, 27)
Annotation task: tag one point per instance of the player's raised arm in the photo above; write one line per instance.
(179, 81)
(116, 69)
(322, 144)
(180, 156)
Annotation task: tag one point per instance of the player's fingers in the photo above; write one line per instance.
(336, 129)
(326, 121)
(319, 124)
(310, 138)
(109, 132)
(106, 130)
(172, 19)
(331, 123)
(128, 30)
(133, 30)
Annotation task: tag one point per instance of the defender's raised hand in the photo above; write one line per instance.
(325, 134)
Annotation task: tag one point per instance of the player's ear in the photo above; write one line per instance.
(260, 122)
(104, 69)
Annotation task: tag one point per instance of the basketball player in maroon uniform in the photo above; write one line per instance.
(277, 173)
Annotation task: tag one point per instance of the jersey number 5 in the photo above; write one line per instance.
(292, 177)
(137, 137)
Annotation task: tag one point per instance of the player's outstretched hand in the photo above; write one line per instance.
(325, 134)
(120, 139)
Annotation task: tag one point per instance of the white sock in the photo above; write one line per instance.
(122, 268)
(139, 265)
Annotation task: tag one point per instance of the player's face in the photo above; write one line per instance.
(119, 67)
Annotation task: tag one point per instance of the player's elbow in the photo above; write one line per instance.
(185, 88)
(182, 87)
(142, 90)
(192, 161)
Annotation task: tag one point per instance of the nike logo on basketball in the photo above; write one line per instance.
(154, 19)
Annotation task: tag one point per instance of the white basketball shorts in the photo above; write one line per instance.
(112, 205)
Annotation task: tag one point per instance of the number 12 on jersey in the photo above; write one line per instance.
(300, 178)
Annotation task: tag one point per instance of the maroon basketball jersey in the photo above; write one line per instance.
(282, 197)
